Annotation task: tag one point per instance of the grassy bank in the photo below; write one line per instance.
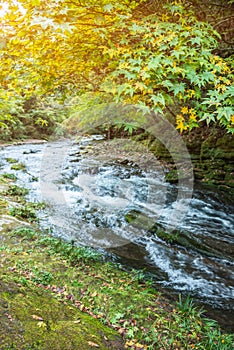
(54, 295)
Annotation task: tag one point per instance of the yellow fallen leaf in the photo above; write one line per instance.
(129, 343)
(38, 318)
(94, 345)
(138, 345)
(41, 324)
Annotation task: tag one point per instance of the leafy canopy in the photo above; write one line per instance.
(160, 61)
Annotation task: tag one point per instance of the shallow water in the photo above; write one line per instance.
(118, 206)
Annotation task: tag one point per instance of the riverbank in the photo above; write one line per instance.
(211, 151)
(22, 142)
(55, 293)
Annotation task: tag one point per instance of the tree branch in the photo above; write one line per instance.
(223, 21)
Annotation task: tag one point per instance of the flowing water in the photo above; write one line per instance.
(115, 205)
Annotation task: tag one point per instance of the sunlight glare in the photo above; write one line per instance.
(4, 6)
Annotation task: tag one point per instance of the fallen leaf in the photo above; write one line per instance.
(121, 330)
(81, 307)
(38, 318)
(140, 346)
(94, 345)
(41, 324)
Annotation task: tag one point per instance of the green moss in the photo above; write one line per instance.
(170, 237)
(11, 160)
(9, 176)
(137, 219)
(172, 176)
(18, 166)
(211, 151)
(14, 190)
(35, 320)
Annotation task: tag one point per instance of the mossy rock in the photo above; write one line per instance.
(218, 148)
(18, 166)
(226, 142)
(173, 176)
(138, 219)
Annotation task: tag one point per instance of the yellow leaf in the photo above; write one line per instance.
(138, 345)
(94, 345)
(184, 110)
(38, 318)
(41, 324)
(129, 343)
(180, 122)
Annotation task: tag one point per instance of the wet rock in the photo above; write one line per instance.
(31, 151)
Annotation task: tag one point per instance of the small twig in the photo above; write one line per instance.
(223, 21)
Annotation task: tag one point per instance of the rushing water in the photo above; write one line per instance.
(113, 204)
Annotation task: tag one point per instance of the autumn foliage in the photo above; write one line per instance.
(159, 58)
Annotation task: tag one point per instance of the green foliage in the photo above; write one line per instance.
(156, 55)
(65, 249)
(11, 160)
(14, 190)
(187, 306)
(9, 176)
(69, 250)
(168, 61)
(25, 232)
(96, 112)
(18, 167)
(87, 112)
(36, 117)
(10, 108)
(220, 106)
(26, 212)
